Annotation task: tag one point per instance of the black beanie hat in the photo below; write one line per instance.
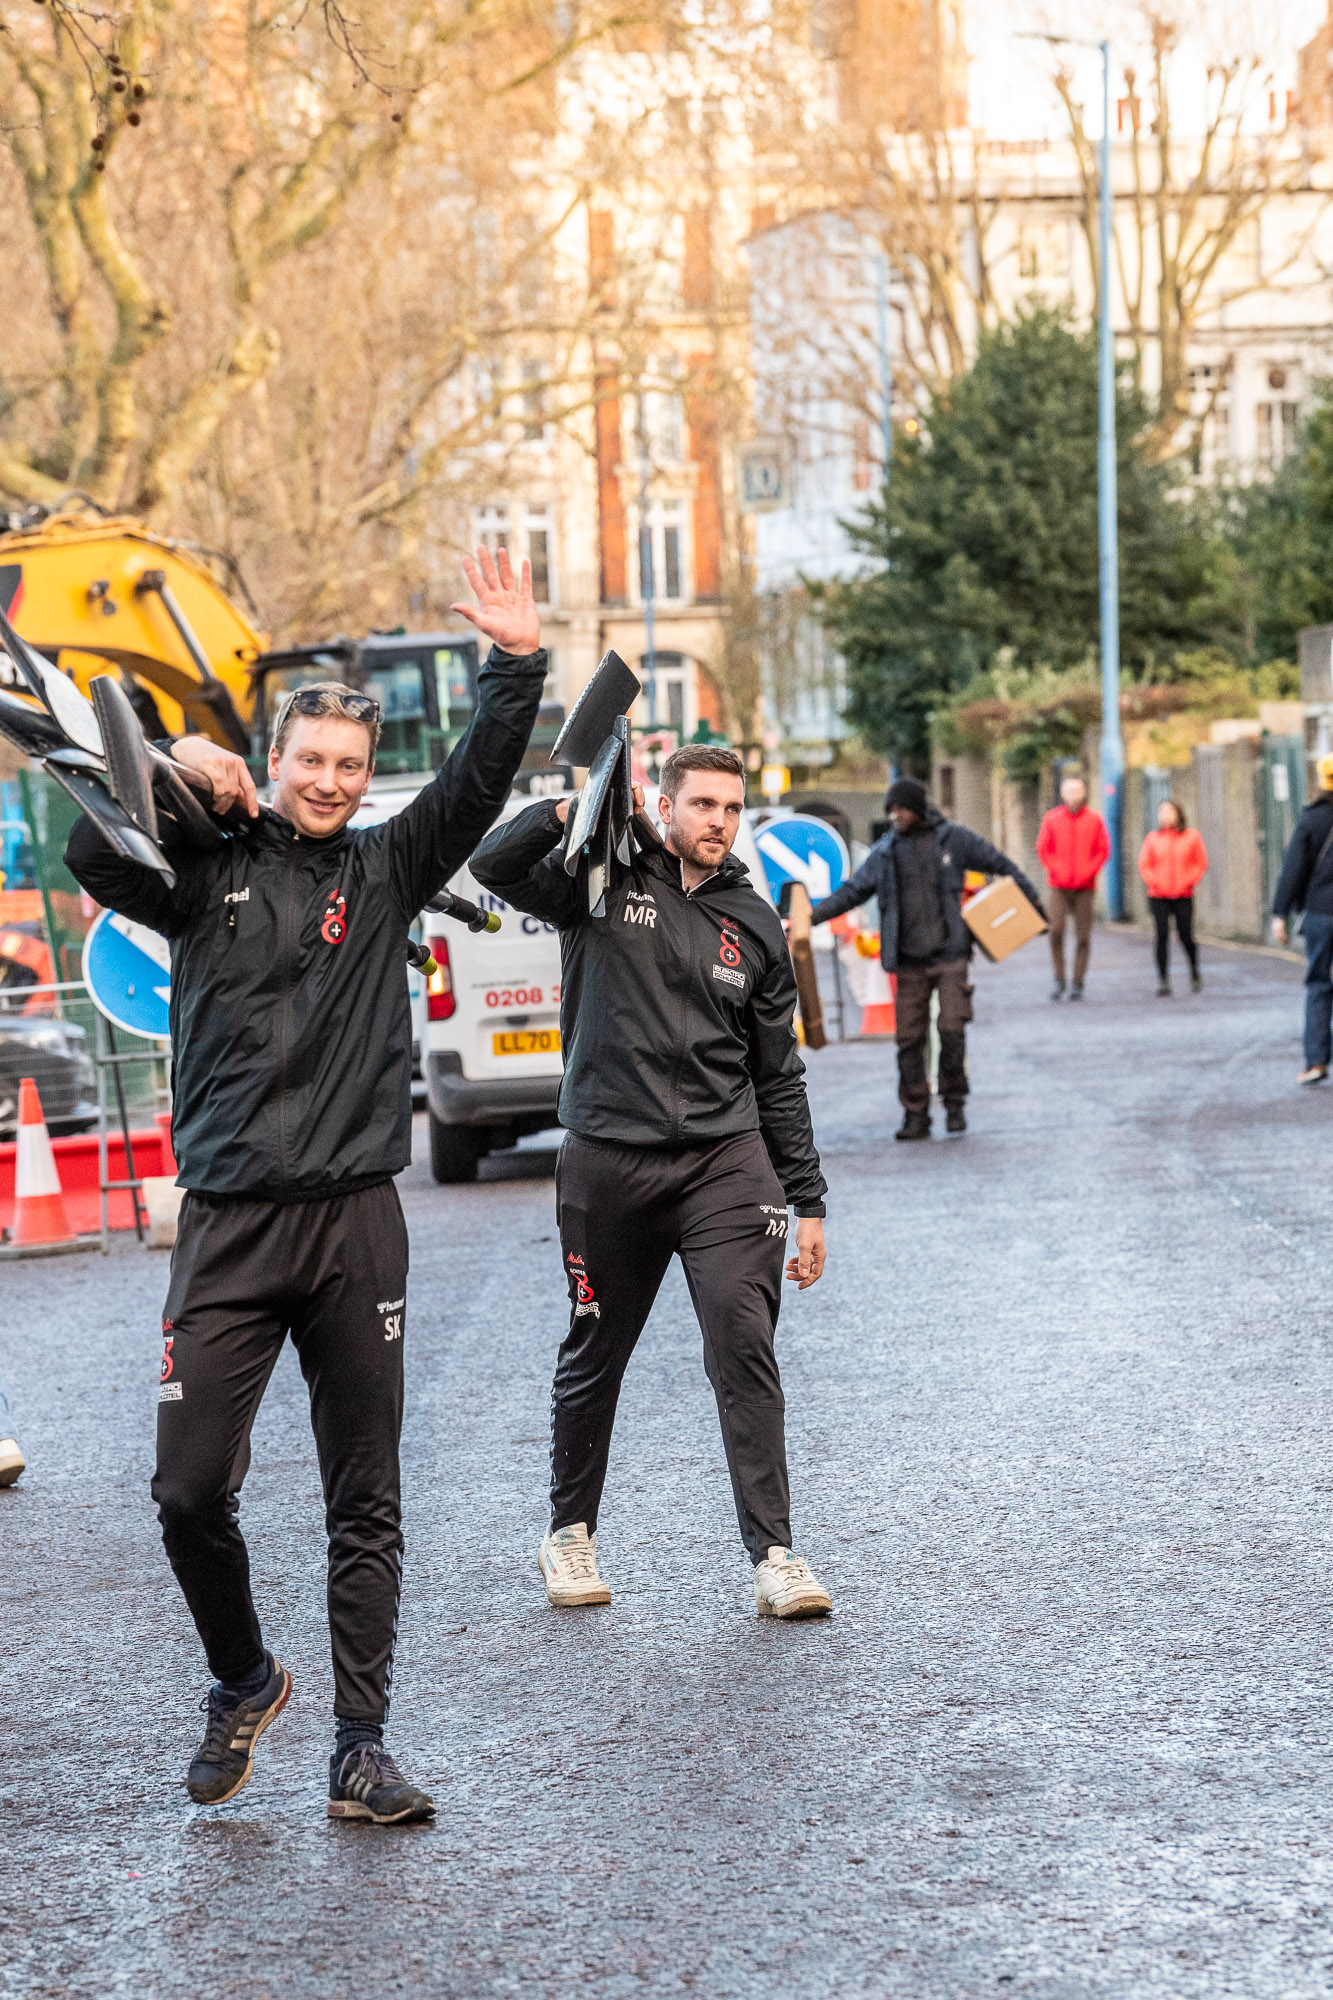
(908, 792)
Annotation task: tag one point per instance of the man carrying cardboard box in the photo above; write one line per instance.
(917, 872)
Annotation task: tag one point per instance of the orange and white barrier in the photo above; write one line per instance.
(40, 1222)
(872, 988)
(878, 1010)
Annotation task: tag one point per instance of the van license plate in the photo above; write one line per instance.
(527, 1042)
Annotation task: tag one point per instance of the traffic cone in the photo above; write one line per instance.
(40, 1221)
(878, 1012)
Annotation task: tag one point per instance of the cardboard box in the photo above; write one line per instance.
(1001, 918)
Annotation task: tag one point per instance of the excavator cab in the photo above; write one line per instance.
(424, 682)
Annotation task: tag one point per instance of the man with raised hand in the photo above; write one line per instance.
(688, 1133)
(292, 1042)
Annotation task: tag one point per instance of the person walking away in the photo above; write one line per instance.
(688, 1134)
(1306, 884)
(917, 872)
(1073, 847)
(12, 1460)
(1173, 861)
(291, 1032)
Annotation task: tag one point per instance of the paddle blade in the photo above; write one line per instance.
(114, 824)
(611, 693)
(129, 767)
(587, 814)
(70, 710)
(29, 728)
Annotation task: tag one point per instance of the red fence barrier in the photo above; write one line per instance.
(76, 1163)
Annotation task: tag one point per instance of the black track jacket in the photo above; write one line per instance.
(675, 1008)
(1306, 881)
(290, 1022)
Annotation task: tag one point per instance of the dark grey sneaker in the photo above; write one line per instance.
(956, 1120)
(223, 1762)
(367, 1784)
(915, 1125)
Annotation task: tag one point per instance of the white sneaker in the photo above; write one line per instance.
(567, 1560)
(785, 1586)
(12, 1461)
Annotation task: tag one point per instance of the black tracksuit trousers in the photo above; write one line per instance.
(623, 1212)
(243, 1275)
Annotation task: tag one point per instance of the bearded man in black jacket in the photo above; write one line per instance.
(292, 1041)
(688, 1133)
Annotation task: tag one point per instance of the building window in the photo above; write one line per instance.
(671, 561)
(662, 553)
(659, 414)
(1221, 431)
(531, 537)
(539, 555)
(534, 402)
(493, 528)
(863, 466)
(1274, 430)
(675, 704)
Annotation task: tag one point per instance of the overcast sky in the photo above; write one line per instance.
(1010, 92)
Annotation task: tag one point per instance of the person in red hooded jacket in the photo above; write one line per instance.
(1072, 847)
(1173, 861)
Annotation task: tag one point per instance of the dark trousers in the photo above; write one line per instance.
(244, 1274)
(1063, 906)
(624, 1211)
(916, 983)
(1164, 908)
(1317, 931)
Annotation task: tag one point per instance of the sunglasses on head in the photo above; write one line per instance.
(310, 701)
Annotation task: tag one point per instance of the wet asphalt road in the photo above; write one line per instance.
(1059, 1424)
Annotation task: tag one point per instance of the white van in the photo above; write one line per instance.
(488, 1024)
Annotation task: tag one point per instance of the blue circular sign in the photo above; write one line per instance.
(127, 968)
(800, 848)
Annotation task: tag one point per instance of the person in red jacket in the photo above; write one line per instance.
(1072, 847)
(1173, 861)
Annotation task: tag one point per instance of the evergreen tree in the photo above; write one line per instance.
(1281, 532)
(986, 542)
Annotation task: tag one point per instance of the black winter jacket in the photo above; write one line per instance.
(960, 850)
(1306, 882)
(290, 1023)
(675, 1007)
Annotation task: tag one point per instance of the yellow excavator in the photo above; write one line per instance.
(88, 589)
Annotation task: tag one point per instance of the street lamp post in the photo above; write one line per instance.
(1108, 560)
(647, 579)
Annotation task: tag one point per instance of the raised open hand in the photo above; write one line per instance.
(506, 615)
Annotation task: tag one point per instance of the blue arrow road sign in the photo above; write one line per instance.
(801, 848)
(128, 971)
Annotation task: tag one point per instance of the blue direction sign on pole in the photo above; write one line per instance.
(128, 971)
(801, 848)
